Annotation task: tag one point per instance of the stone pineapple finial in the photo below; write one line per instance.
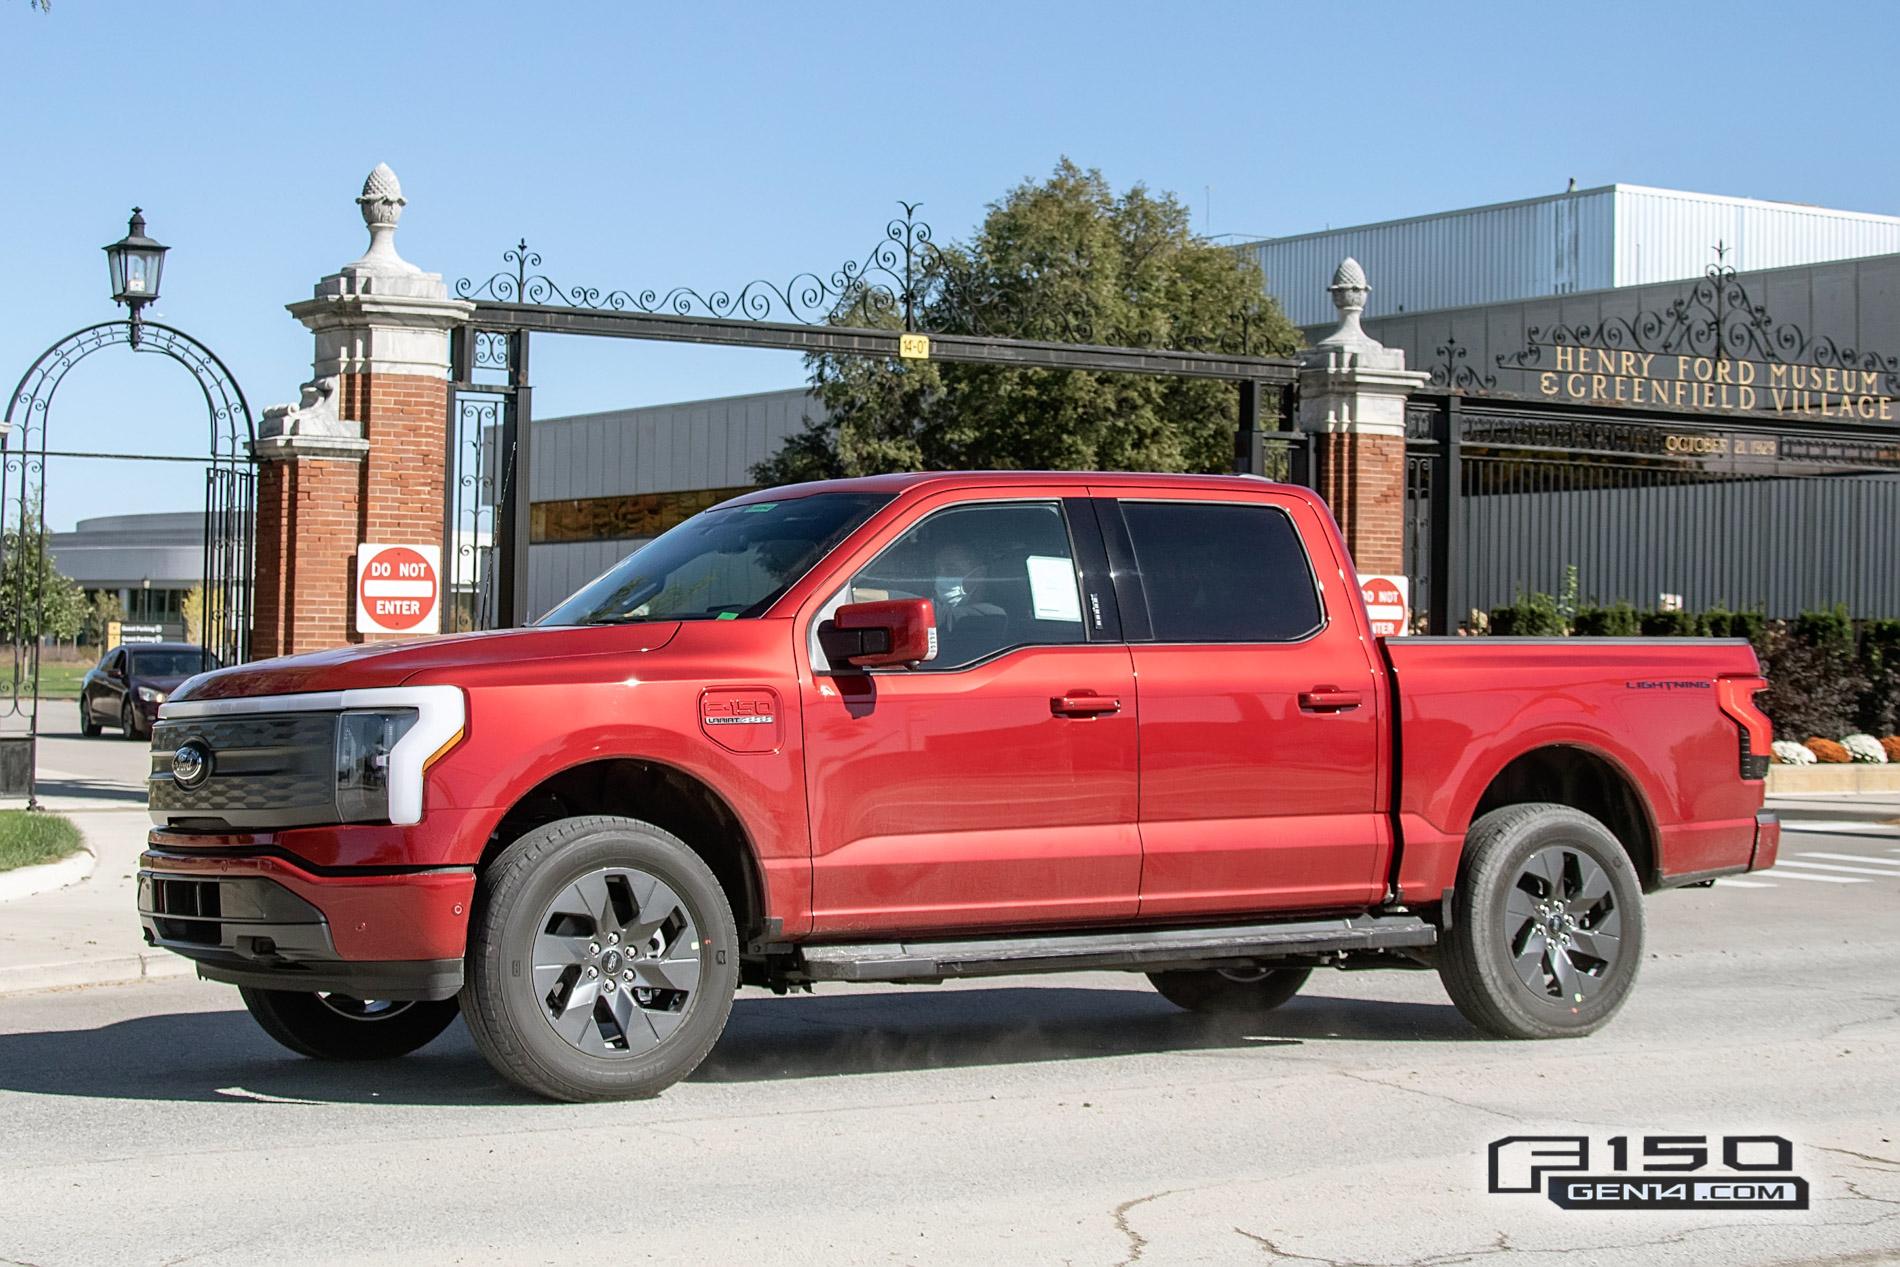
(381, 203)
(1349, 291)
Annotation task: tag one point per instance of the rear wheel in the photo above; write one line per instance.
(603, 959)
(1232, 993)
(1546, 927)
(337, 1027)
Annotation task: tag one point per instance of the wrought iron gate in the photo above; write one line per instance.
(1504, 497)
(230, 503)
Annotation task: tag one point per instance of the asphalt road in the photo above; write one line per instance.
(1057, 1120)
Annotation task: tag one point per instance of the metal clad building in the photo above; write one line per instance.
(1590, 239)
(603, 483)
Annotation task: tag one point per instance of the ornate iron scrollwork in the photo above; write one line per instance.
(895, 279)
(1716, 318)
(1453, 374)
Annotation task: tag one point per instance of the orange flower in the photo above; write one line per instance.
(1892, 746)
(1827, 752)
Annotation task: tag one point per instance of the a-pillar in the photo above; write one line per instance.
(362, 458)
(1352, 403)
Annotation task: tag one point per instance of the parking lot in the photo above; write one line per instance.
(1063, 1119)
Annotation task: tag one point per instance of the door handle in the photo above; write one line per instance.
(1329, 699)
(1081, 705)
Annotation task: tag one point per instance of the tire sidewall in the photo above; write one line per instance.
(1487, 924)
(505, 957)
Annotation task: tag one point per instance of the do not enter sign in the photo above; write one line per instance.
(398, 589)
(1387, 603)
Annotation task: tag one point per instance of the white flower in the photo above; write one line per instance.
(1787, 752)
(1865, 748)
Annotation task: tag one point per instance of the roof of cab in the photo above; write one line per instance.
(906, 481)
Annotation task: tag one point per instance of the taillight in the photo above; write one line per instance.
(1737, 697)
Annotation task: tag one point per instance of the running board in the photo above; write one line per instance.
(1068, 952)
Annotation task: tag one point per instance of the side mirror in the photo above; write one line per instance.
(879, 635)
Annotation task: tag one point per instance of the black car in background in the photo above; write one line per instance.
(126, 687)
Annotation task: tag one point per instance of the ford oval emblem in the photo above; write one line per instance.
(191, 765)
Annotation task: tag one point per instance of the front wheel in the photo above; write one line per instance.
(1546, 927)
(336, 1027)
(88, 724)
(129, 721)
(1230, 993)
(602, 962)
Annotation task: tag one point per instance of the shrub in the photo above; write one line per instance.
(1827, 752)
(1619, 621)
(1530, 616)
(1813, 688)
(1668, 624)
(1720, 623)
(1879, 712)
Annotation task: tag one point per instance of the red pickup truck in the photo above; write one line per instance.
(920, 727)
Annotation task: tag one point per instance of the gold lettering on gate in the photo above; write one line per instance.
(1605, 376)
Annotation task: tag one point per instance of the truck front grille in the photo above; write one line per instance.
(266, 771)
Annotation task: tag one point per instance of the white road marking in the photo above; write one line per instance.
(1846, 826)
(1855, 857)
(1726, 883)
(1834, 866)
(1785, 874)
(239, 1093)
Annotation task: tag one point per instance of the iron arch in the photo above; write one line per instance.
(230, 487)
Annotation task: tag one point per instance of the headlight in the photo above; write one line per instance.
(151, 696)
(364, 741)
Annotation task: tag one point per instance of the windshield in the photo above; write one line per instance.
(721, 564)
(172, 663)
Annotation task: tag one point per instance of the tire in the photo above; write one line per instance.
(1519, 965)
(129, 721)
(334, 1027)
(602, 961)
(88, 724)
(1228, 994)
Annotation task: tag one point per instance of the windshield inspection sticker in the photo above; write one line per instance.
(1052, 591)
(1655, 1172)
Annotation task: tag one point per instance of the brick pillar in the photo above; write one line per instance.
(1352, 402)
(361, 459)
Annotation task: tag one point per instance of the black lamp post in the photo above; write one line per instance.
(136, 262)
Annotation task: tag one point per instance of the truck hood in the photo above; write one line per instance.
(392, 663)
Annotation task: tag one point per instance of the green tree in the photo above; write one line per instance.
(102, 608)
(1065, 260)
(36, 600)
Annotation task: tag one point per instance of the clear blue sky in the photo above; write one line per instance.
(708, 144)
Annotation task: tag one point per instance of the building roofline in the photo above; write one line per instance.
(1618, 187)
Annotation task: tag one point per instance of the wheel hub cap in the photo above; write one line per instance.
(616, 962)
(1562, 925)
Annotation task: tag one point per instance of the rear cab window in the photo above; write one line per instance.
(1222, 572)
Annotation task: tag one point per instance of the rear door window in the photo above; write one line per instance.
(1221, 572)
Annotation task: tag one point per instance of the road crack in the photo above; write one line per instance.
(1137, 1243)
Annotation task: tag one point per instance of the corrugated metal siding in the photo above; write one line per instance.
(1594, 239)
(664, 448)
(1663, 235)
(1484, 255)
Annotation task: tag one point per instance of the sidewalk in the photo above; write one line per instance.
(87, 933)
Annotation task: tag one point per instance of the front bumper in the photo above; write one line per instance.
(260, 920)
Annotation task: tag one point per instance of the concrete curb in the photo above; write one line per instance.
(117, 970)
(29, 881)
